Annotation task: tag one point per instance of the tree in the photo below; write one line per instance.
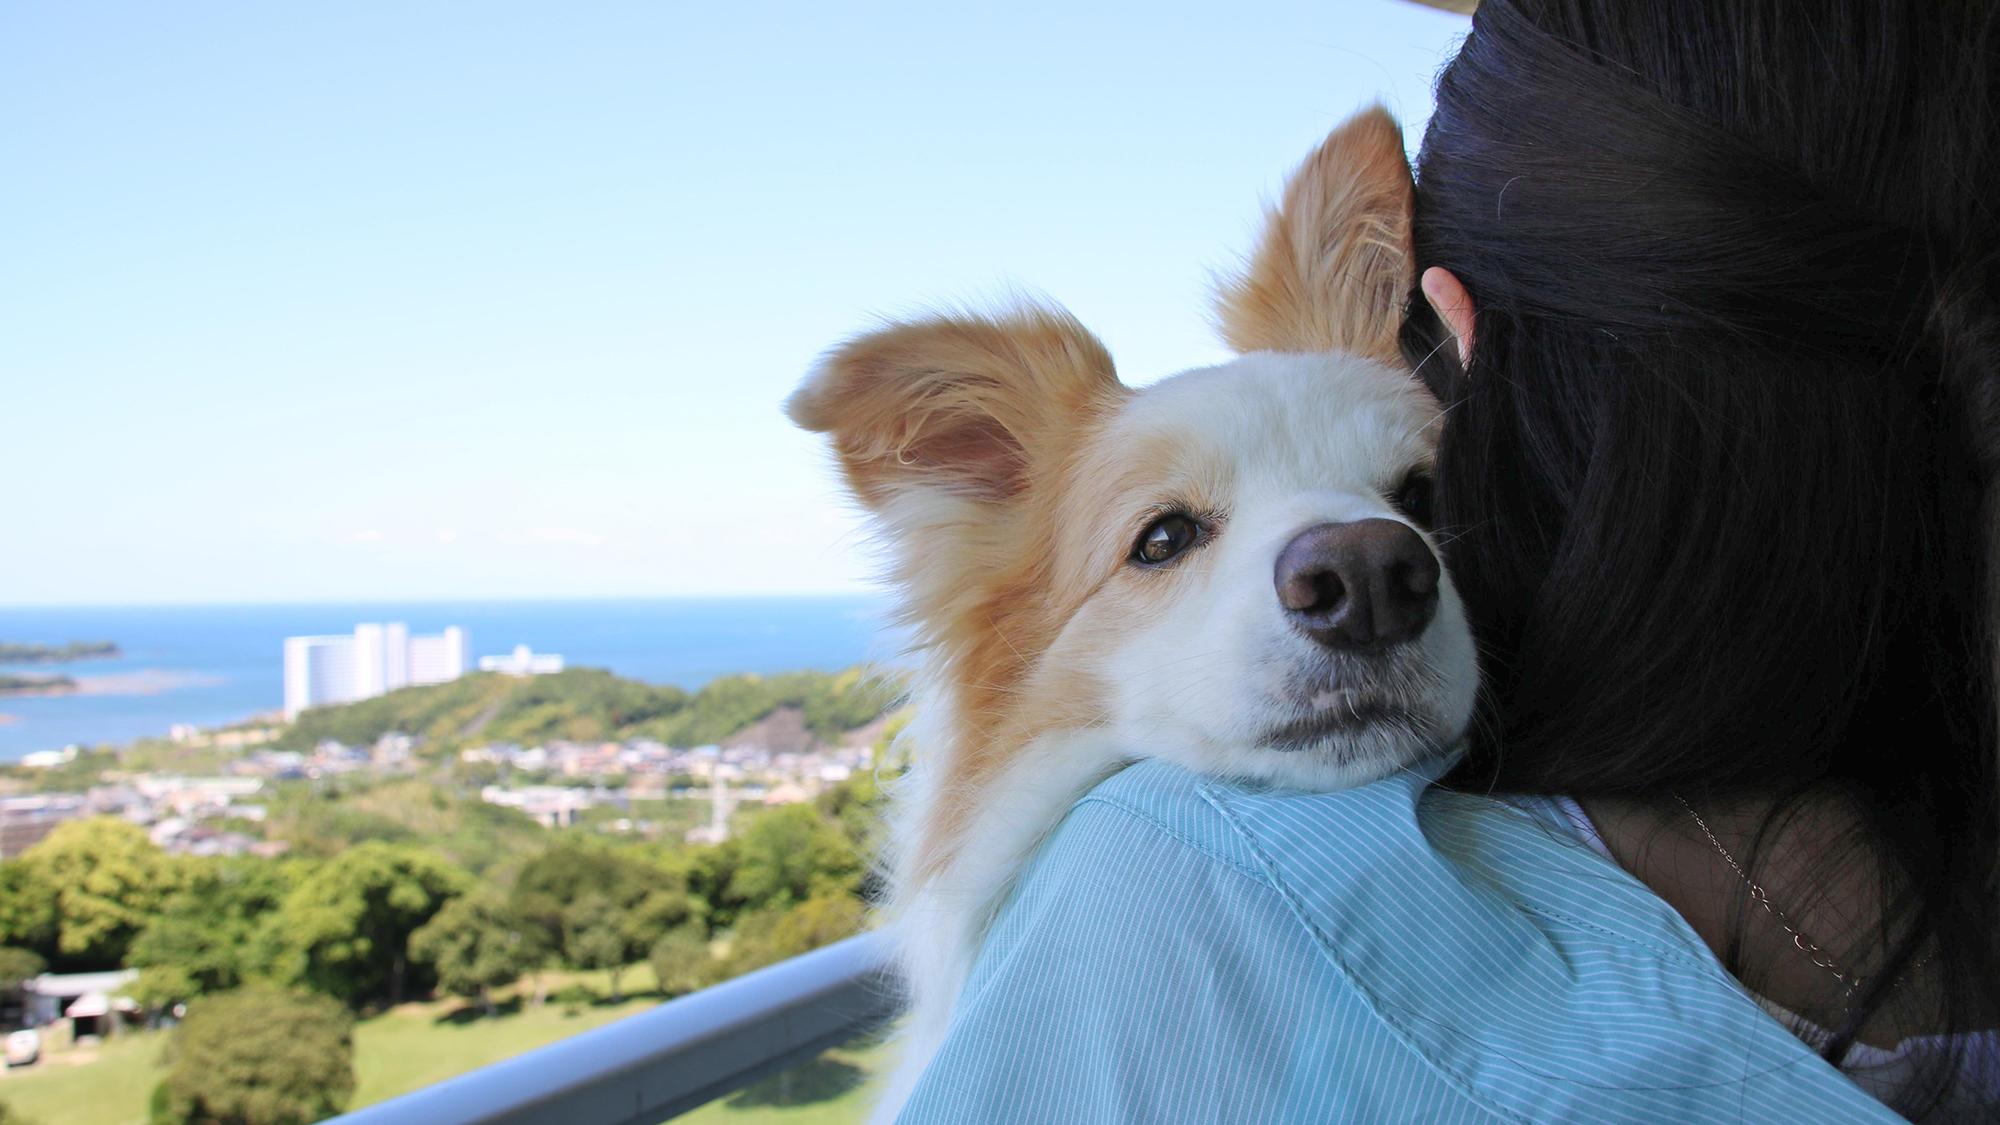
(258, 1056)
(109, 881)
(766, 937)
(476, 944)
(593, 938)
(568, 869)
(712, 879)
(27, 908)
(349, 923)
(160, 987)
(209, 937)
(603, 909)
(645, 921)
(789, 854)
(17, 968)
(682, 962)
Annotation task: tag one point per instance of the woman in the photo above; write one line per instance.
(1712, 299)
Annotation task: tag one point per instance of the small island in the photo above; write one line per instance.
(11, 653)
(35, 685)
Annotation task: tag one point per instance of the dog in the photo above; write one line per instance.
(1230, 569)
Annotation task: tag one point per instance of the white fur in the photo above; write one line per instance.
(1275, 444)
(1307, 440)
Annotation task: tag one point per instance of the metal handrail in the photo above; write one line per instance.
(649, 1067)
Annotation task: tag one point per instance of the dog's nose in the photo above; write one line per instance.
(1366, 584)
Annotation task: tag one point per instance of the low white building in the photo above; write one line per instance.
(374, 660)
(523, 661)
(551, 806)
(90, 1001)
(195, 796)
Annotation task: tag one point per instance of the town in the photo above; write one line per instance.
(551, 783)
(773, 761)
(603, 832)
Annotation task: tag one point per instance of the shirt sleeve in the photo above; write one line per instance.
(1135, 977)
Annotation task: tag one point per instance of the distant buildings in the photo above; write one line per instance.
(49, 759)
(93, 1002)
(376, 659)
(749, 771)
(25, 820)
(550, 806)
(523, 661)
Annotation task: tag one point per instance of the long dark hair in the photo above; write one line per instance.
(1716, 473)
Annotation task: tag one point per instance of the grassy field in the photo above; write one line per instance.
(105, 1086)
(834, 1089)
(415, 1045)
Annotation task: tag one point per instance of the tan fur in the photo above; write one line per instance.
(981, 400)
(998, 407)
(1002, 411)
(1333, 267)
(991, 453)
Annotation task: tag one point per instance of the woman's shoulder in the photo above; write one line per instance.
(1471, 948)
(1355, 858)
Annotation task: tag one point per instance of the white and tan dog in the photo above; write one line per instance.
(1229, 569)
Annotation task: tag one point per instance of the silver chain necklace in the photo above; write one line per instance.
(1804, 944)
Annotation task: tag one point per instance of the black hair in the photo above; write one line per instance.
(1716, 476)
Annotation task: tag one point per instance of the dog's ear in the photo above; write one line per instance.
(974, 407)
(1334, 265)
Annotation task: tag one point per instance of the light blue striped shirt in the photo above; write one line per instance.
(1187, 950)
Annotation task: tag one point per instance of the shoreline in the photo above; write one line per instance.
(673, 640)
(41, 656)
(55, 686)
(144, 681)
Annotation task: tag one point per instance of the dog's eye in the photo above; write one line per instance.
(1416, 497)
(1164, 539)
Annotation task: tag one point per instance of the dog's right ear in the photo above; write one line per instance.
(972, 407)
(1334, 265)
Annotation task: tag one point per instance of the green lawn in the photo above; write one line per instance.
(417, 1044)
(111, 1090)
(834, 1089)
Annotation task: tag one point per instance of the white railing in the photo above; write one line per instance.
(649, 1067)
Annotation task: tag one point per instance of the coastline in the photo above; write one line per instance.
(144, 681)
(39, 691)
(213, 666)
(41, 655)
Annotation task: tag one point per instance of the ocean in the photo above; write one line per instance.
(210, 665)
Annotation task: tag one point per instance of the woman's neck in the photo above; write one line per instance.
(1818, 930)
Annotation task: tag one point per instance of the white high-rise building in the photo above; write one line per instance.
(436, 659)
(375, 660)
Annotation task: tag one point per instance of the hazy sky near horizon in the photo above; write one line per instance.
(417, 300)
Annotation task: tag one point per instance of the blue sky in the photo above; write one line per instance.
(397, 300)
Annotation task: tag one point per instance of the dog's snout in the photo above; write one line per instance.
(1365, 584)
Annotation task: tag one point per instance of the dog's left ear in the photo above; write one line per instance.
(1334, 265)
(972, 408)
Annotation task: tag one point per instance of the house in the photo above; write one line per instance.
(89, 1001)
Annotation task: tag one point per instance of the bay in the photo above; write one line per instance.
(215, 664)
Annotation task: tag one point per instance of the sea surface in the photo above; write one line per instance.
(210, 665)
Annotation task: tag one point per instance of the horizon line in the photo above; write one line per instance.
(457, 599)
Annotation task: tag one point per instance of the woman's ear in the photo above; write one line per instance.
(1448, 298)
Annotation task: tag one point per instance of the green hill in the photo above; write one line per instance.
(589, 704)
